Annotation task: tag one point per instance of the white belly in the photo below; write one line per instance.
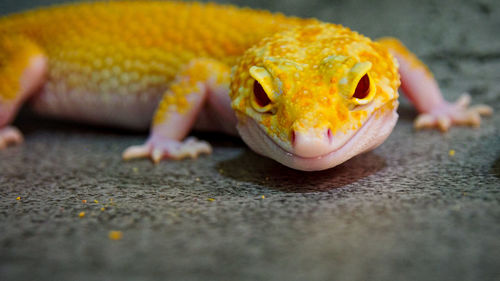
(125, 110)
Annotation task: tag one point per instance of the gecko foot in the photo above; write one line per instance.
(449, 114)
(10, 135)
(158, 149)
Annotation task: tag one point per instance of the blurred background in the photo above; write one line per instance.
(409, 210)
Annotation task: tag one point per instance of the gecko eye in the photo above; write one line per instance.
(363, 88)
(262, 100)
(358, 86)
(260, 95)
(364, 91)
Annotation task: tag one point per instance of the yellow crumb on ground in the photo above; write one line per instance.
(263, 197)
(18, 198)
(103, 209)
(451, 152)
(95, 201)
(81, 214)
(115, 235)
(211, 199)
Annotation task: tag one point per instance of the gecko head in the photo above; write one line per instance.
(315, 96)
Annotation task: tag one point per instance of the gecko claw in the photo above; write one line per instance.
(10, 136)
(443, 123)
(156, 155)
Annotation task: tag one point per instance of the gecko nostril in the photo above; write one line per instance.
(329, 135)
(292, 137)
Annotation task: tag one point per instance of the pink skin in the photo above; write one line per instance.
(133, 111)
(316, 142)
(423, 91)
(420, 88)
(313, 143)
(217, 114)
(373, 132)
(31, 79)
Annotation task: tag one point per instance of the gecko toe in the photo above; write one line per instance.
(483, 109)
(136, 151)
(443, 123)
(157, 155)
(424, 121)
(10, 136)
(157, 149)
(463, 101)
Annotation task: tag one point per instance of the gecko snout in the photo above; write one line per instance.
(312, 142)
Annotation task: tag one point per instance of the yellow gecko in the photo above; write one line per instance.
(308, 94)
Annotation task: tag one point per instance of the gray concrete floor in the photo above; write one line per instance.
(406, 211)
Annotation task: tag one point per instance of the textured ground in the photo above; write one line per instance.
(406, 211)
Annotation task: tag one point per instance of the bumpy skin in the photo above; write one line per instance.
(308, 94)
(110, 63)
(318, 70)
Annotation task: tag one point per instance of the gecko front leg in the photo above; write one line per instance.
(23, 67)
(423, 91)
(178, 111)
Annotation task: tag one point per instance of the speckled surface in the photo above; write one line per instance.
(406, 211)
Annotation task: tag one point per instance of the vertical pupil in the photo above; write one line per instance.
(363, 88)
(260, 95)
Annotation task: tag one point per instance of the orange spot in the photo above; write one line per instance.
(115, 235)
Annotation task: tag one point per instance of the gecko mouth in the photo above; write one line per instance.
(367, 123)
(371, 134)
(291, 153)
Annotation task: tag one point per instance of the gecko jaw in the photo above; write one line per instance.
(371, 134)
